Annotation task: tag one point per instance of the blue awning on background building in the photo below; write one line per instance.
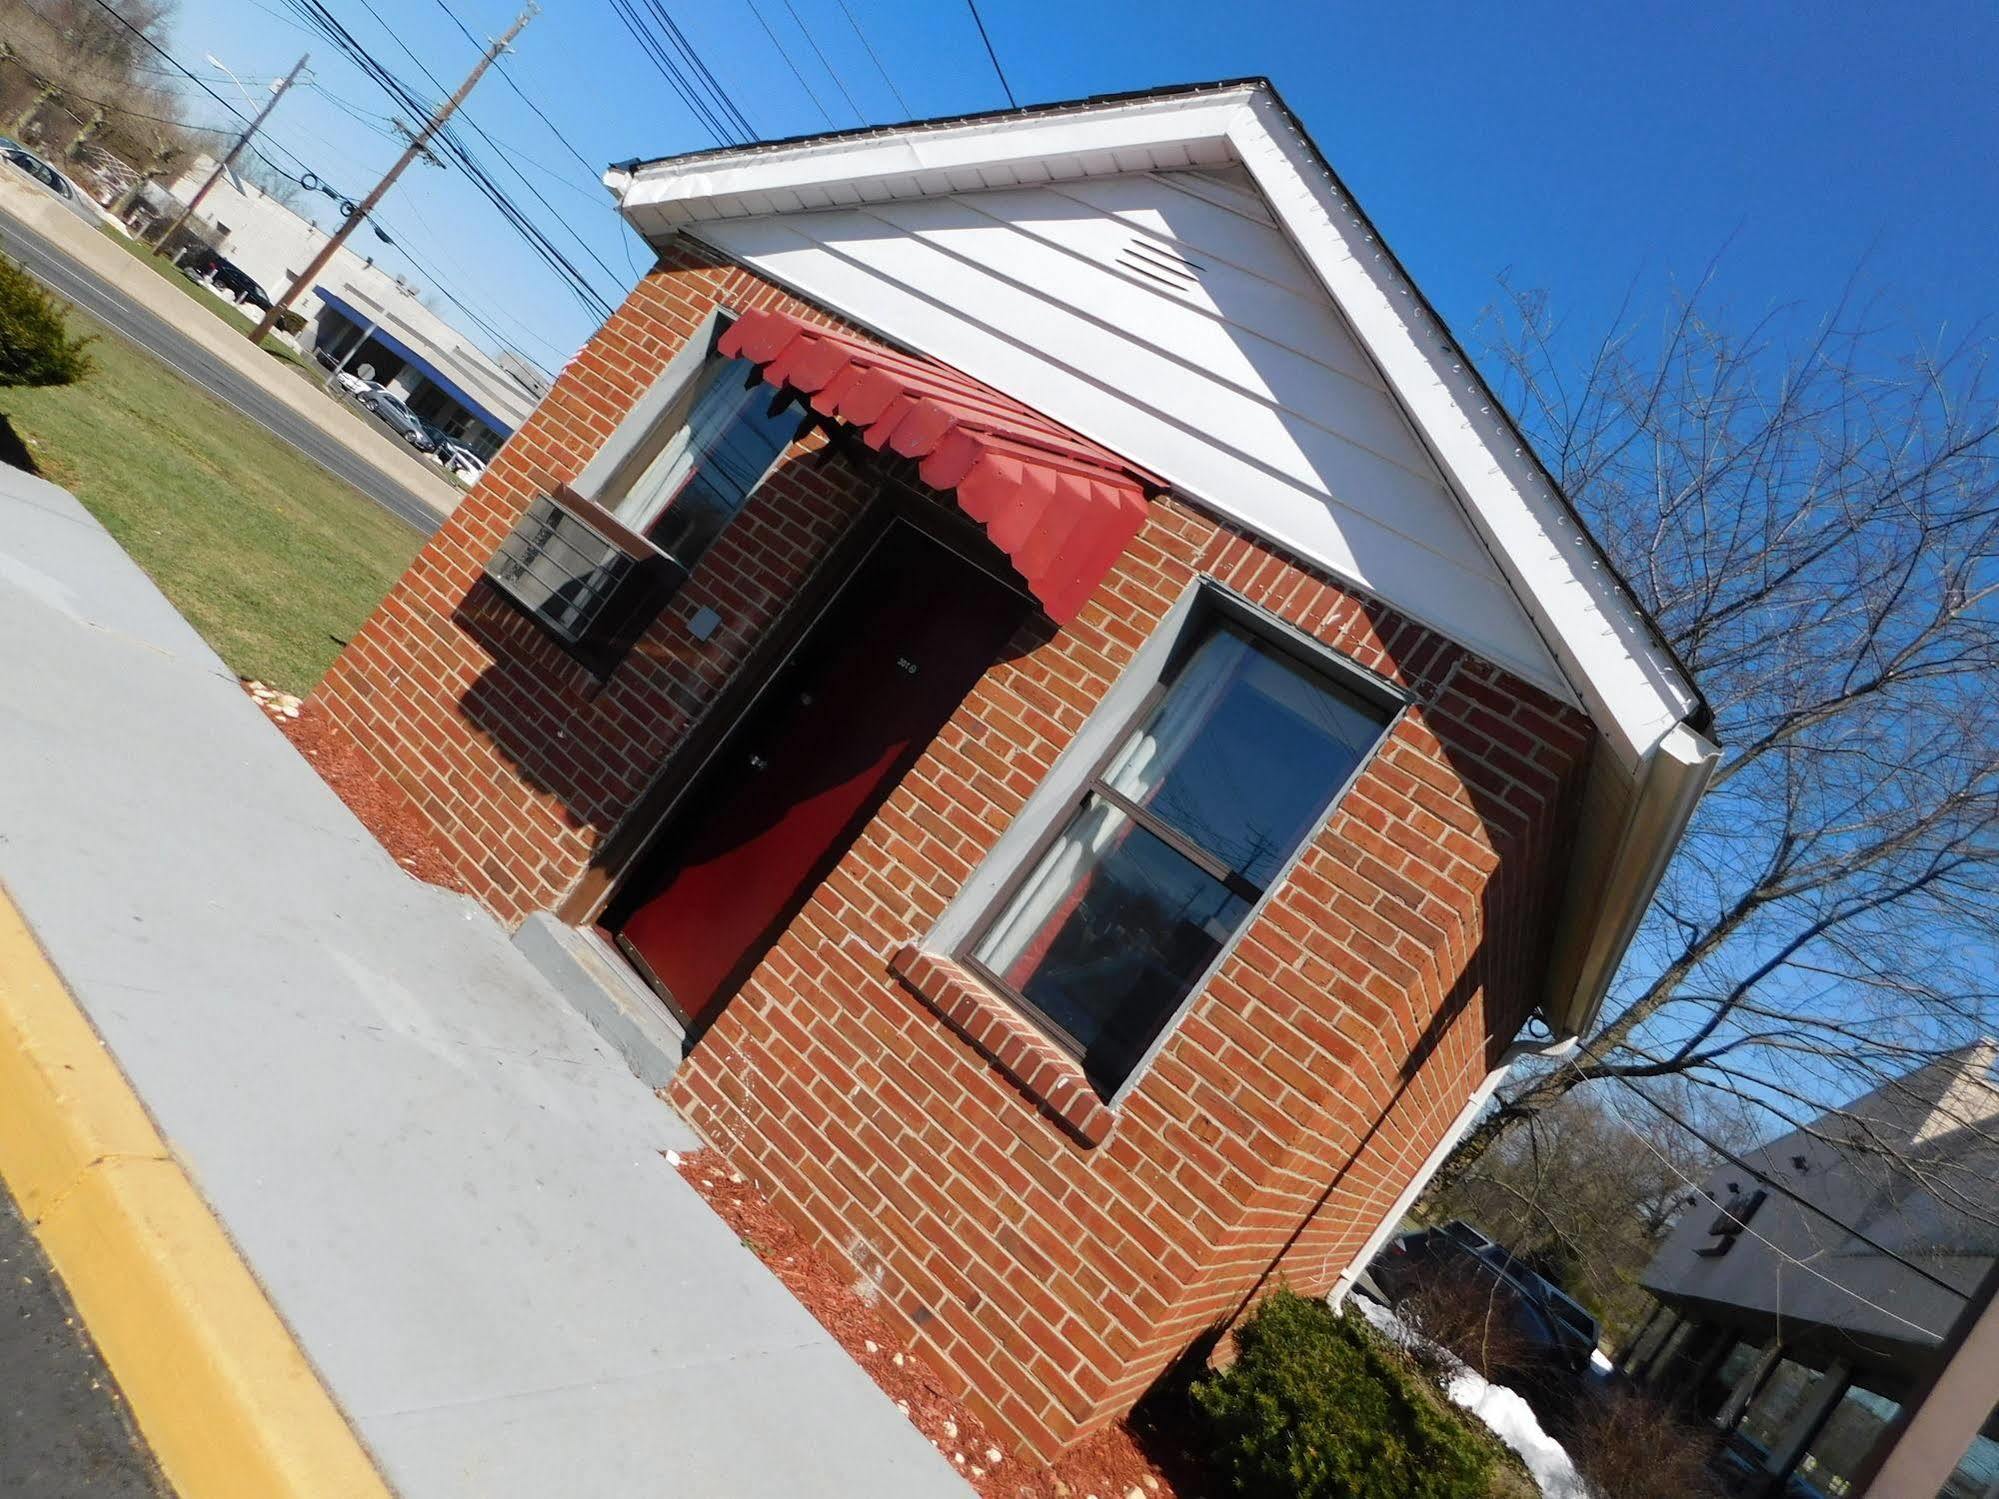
(363, 318)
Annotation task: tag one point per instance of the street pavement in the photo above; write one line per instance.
(70, 278)
(454, 1193)
(63, 1432)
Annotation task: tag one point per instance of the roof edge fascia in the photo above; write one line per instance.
(1590, 622)
(1602, 641)
(657, 197)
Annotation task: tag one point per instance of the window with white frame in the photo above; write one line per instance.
(594, 568)
(1153, 867)
(704, 460)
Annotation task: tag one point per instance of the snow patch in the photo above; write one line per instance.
(1510, 1417)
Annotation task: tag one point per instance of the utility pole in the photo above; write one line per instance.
(417, 144)
(160, 247)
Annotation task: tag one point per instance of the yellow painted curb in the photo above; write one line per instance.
(213, 1377)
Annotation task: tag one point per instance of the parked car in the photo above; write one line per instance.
(351, 383)
(52, 182)
(465, 463)
(231, 278)
(1537, 1310)
(405, 423)
(452, 453)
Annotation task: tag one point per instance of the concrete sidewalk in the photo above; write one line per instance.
(451, 1191)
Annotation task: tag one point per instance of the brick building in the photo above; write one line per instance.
(1024, 670)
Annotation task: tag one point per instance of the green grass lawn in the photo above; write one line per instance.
(271, 558)
(221, 306)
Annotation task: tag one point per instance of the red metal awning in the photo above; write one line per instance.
(1062, 508)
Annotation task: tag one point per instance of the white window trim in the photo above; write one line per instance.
(630, 446)
(973, 907)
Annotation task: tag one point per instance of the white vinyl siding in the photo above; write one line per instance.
(1166, 315)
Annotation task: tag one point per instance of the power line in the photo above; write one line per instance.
(229, 160)
(979, 21)
(694, 60)
(901, 103)
(838, 82)
(459, 149)
(67, 91)
(507, 78)
(446, 290)
(816, 102)
(359, 112)
(655, 49)
(326, 24)
(1781, 1190)
(311, 180)
(196, 78)
(112, 11)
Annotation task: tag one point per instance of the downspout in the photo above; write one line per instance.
(1670, 785)
(1474, 1106)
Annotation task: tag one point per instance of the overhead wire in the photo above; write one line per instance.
(329, 26)
(1775, 1249)
(817, 102)
(181, 68)
(980, 21)
(166, 56)
(824, 62)
(733, 113)
(466, 117)
(506, 76)
(457, 299)
(880, 67)
(69, 91)
(304, 175)
(656, 52)
(681, 44)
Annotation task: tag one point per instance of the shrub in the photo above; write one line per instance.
(1317, 1407)
(291, 322)
(35, 343)
(1472, 1318)
(1631, 1444)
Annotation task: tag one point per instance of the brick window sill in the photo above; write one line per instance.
(1041, 1069)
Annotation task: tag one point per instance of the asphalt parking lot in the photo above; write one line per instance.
(64, 1432)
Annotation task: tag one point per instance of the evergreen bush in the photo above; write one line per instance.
(35, 343)
(1316, 1406)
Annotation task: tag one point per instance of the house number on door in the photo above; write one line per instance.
(906, 664)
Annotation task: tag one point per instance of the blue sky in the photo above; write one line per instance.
(1595, 151)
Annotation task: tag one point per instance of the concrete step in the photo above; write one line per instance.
(602, 987)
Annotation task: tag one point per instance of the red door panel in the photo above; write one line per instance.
(790, 789)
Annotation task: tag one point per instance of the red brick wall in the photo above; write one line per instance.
(520, 760)
(1312, 1077)
(1053, 1279)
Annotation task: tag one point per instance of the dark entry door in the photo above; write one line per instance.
(792, 786)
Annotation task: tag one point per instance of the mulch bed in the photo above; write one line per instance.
(383, 807)
(1110, 1465)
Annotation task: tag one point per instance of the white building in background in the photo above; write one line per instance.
(364, 314)
(1803, 1304)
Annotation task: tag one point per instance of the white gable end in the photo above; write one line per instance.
(1165, 315)
(1179, 275)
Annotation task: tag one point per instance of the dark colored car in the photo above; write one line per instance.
(1538, 1312)
(406, 423)
(232, 279)
(228, 277)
